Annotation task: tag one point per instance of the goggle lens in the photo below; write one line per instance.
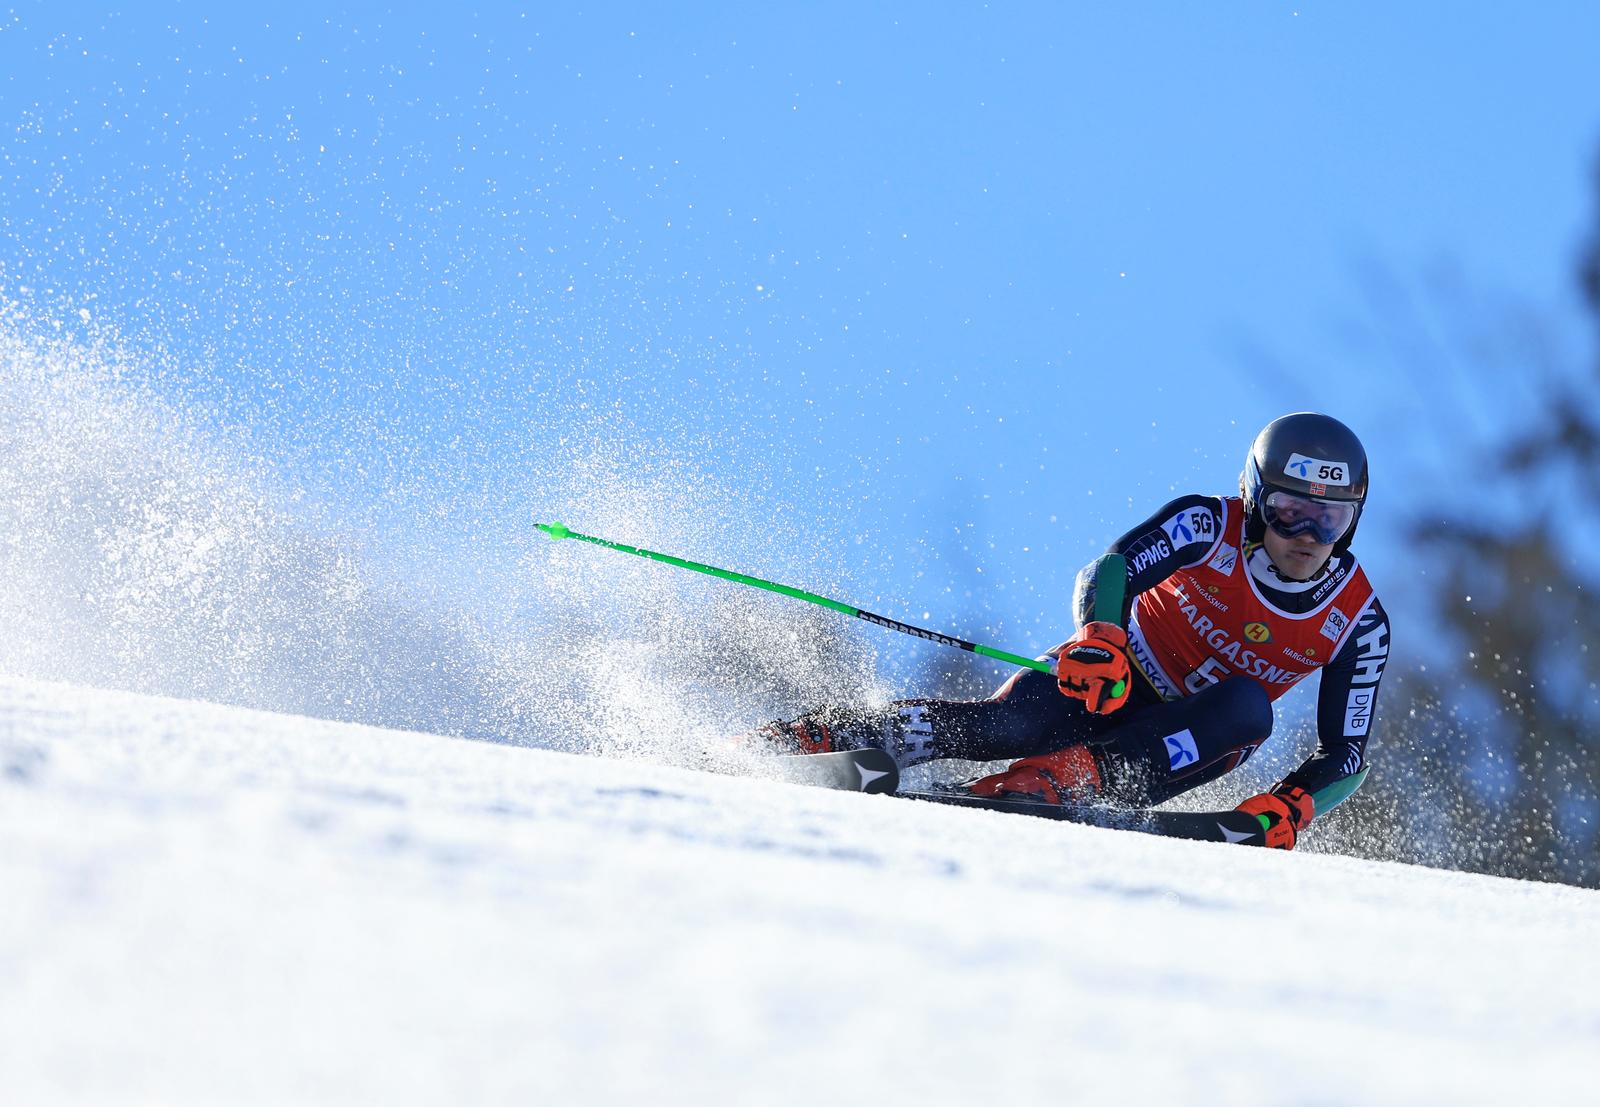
(1292, 516)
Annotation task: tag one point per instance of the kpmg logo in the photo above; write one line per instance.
(1150, 554)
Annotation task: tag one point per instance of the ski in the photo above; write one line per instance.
(1237, 827)
(869, 770)
(875, 771)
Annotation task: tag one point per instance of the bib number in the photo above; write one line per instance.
(1206, 675)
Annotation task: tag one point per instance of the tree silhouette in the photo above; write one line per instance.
(1521, 767)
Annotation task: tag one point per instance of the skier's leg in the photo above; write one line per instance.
(1026, 715)
(1151, 752)
(1144, 754)
(1169, 748)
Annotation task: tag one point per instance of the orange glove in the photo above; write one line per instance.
(1284, 814)
(1093, 667)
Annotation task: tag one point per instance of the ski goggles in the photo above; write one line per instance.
(1291, 516)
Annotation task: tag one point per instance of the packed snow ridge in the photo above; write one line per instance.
(203, 904)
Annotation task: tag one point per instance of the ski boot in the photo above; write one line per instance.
(1069, 776)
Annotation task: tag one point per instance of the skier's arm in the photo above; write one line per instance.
(1183, 533)
(1346, 702)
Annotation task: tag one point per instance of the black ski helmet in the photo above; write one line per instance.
(1307, 454)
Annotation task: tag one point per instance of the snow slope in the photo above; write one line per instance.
(208, 905)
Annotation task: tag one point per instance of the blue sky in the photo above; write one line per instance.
(907, 291)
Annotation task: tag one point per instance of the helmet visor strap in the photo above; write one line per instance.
(1291, 516)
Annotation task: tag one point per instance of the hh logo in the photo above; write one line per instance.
(916, 733)
(1258, 632)
(1181, 749)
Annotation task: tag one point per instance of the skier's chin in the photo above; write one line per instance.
(1300, 565)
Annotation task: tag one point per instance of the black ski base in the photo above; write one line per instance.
(875, 771)
(868, 770)
(1237, 827)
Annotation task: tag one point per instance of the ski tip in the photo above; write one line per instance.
(556, 531)
(877, 770)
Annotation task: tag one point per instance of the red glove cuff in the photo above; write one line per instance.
(1302, 808)
(1105, 632)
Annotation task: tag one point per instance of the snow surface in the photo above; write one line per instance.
(204, 904)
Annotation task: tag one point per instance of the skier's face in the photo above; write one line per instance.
(1298, 558)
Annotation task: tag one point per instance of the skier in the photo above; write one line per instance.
(1189, 627)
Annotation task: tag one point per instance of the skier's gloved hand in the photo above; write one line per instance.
(1285, 811)
(1093, 667)
(807, 734)
(1071, 775)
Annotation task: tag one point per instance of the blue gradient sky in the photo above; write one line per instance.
(929, 300)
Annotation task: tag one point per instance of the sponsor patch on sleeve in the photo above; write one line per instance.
(1190, 526)
(1358, 712)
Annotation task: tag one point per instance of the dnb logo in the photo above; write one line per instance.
(1358, 712)
(1258, 632)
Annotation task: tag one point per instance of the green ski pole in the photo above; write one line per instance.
(558, 531)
